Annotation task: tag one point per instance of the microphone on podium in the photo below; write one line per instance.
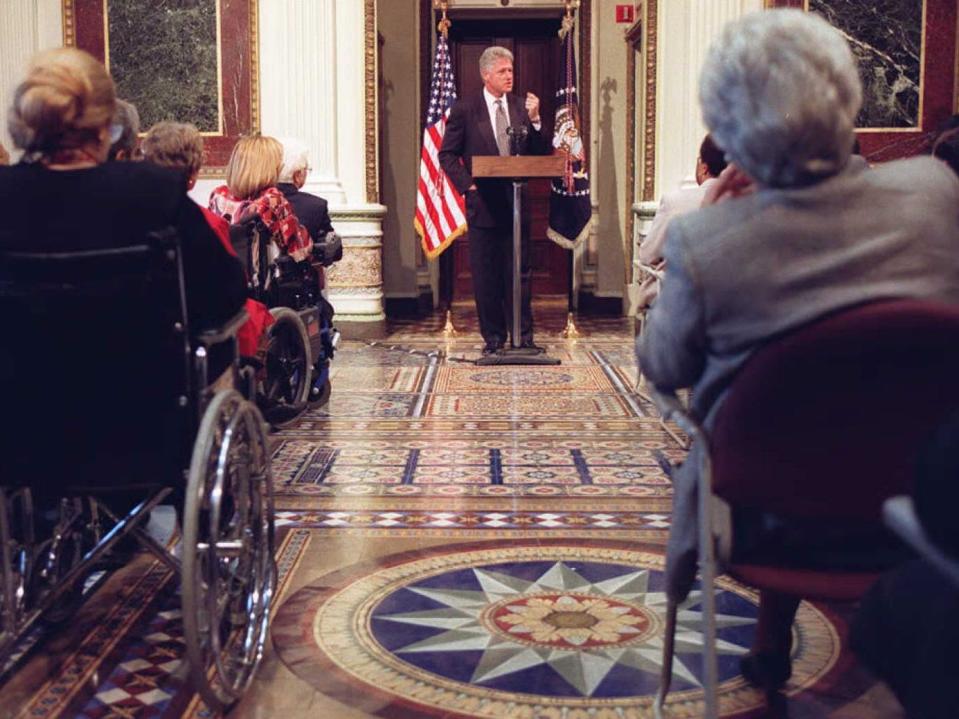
(516, 134)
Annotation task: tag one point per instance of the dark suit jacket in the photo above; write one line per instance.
(468, 133)
(312, 211)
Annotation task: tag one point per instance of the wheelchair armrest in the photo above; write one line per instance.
(672, 408)
(228, 329)
(899, 514)
(328, 249)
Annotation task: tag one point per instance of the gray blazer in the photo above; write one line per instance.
(749, 269)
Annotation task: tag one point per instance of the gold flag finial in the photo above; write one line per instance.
(444, 24)
(448, 329)
(568, 20)
(570, 332)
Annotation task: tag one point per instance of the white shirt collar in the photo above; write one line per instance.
(491, 98)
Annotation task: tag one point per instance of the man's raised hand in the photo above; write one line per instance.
(532, 107)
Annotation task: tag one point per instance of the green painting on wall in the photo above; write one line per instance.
(163, 57)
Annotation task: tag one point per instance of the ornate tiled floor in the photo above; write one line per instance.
(455, 541)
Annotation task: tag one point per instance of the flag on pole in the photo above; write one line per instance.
(440, 209)
(570, 208)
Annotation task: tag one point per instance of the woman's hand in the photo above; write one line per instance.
(732, 182)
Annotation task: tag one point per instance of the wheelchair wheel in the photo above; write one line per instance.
(288, 366)
(16, 549)
(228, 573)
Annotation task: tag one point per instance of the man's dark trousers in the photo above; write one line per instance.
(491, 262)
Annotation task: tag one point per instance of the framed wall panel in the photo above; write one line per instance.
(184, 60)
(906, 50)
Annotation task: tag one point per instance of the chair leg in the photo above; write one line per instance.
(669, 648)
(710, 671)
(774, 627)
(768, 664)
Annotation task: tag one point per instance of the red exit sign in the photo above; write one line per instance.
(625, 13)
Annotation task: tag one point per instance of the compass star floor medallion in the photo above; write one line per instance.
(521, 630)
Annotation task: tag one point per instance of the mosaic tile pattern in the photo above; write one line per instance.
(491, 520)
(132, 665)
(617, 468)
(523, 629)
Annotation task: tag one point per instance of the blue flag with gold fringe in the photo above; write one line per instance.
(570, 208)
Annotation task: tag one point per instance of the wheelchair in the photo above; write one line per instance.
(114, 413)
(302, 340)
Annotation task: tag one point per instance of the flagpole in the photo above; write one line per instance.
(447, 266)
(570, 332)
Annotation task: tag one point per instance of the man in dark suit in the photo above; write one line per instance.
(312, 211)
(478, 125)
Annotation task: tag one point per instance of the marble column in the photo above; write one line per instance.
(318, 83)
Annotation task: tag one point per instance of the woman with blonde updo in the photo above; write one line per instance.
(250, 190)
(61, 120)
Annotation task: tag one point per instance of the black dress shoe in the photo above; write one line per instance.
(766, 671)
(532, 347)
(492, 349)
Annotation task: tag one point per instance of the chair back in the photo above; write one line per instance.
(826, 422)
(95, 364)
(257, 249)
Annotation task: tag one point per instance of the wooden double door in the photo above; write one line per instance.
(536, 54)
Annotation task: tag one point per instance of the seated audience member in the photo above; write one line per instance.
(946, 148)
(125, 132)
(907, 626)
(180, 146)
(796, 231)
(250, 191)
(61, 119)
(710, 163)
(312, 211)
(70, 199)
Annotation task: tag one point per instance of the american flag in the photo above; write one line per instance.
(440, 209)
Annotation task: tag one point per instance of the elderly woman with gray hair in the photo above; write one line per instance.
(794, 229)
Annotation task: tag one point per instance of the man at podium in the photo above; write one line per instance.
(494, 122)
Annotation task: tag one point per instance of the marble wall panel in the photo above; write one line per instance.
(163, 56)
(886, 37)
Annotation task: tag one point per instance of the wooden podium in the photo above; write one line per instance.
(518, 168)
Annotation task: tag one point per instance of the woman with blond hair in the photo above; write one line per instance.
(179, 146)
(250, 191)
(61, 120)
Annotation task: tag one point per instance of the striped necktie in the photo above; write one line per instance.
(502, 140)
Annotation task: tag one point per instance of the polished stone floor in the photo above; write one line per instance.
(457, 541)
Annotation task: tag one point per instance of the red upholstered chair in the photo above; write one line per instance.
(819, 428)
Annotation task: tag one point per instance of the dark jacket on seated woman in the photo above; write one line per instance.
(117, 204)
(95, 401)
